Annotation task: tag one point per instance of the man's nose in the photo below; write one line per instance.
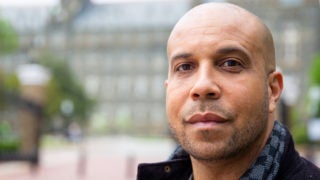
(205, 87)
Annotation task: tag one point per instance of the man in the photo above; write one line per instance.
(222, 90)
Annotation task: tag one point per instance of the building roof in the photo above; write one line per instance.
(110, 16)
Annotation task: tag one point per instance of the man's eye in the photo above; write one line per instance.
(232, 66)
(184, 67)
(231, 63)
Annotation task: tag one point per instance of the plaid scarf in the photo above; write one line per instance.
(267, 164)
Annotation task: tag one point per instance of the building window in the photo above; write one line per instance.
(124, 86)
(291, 38)
(125, 62)
(108, 88)
(158, 113)
(141, 86)
(140, 112)
(158, 63)
(108, 63)
(92, 85)
(92, 62)
(157, 87)
(123, 117)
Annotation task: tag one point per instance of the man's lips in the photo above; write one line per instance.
(205, 118)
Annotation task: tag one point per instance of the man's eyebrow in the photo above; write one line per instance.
(222, 51)
(230, 50)
(181, 56)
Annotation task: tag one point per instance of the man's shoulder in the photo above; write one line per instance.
(293, 166)
(305, 170)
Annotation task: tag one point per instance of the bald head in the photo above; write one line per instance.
(225, 18)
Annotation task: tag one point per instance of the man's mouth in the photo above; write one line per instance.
(206, 120)
(205, 117)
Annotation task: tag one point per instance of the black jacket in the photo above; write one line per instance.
(178, 167)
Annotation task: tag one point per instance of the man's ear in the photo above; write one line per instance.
(275, 87)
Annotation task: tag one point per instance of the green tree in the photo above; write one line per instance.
(9, 39)
(315, 71)
(315, 81)
(8, 43)
(64, 86)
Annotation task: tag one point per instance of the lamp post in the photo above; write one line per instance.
(33, 79)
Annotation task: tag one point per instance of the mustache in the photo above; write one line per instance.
(207, 106)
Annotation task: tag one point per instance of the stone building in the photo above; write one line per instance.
(118, 50)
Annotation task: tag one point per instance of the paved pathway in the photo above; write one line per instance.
(114, 158)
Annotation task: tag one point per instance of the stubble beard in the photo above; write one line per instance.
(225, 148)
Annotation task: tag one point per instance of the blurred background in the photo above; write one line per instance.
(82, 83)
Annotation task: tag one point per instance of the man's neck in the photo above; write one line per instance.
(221, 169)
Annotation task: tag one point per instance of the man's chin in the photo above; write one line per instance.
(207, 151)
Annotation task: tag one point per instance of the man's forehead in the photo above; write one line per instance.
(213, 32)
